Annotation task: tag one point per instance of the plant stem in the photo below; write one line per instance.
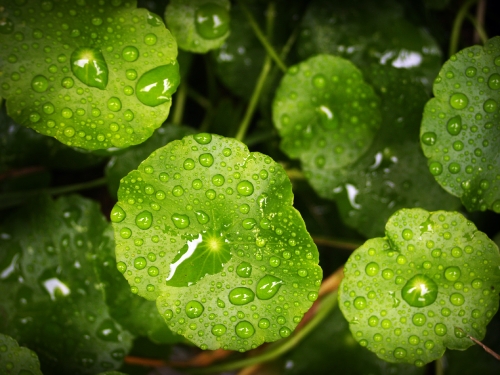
(338, 244)
(439, 368)
(481, 32)
(260, 35)
(198, 98)
(179, 104)
(457, 25)
(13, 199)
(327, 305)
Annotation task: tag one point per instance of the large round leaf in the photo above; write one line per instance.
(17, 360)
(460, 131)
(198, 25)
(91, 74)
(207, 229)
(420, 289)
(325, 112)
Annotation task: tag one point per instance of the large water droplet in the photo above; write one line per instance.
(372, 268)
(130, 53)
(436, 168)
(194, 309)
(89, 66)
(328, 118)
(244, 329)
(459, 101)
(245, 188)
(360, 303)
(219, 330)
(494, 81)
(244, 269)
(454, 125)
(429, 138)
(40, 83)
(144, 220)
(117, 214)
(457, 299)
(206, 160)
(211, 21)
(268, 286)
(140, 263)
(241, 296)
(157, 85)
(202, 217)
(420, 291)
(180, 221)
(419, 319)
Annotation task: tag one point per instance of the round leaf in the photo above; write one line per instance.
(415, 292)
(207, 229)
(325, 113)
(460, 131)
(17, 360)
(198, 25)
(91, 75)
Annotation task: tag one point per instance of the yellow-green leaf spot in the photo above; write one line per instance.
(431, 281)
(198, 25)
(218, 244)
(460, 134)
(102, 78)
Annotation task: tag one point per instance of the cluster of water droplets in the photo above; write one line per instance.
(194, 230)
(89, 78)
(407, 294)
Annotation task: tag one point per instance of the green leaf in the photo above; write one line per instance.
(369, 32)
(54, 302)
(413, 293)
(331, 346)
(392, 174)
(207, 229)
(92, 76)
(119, 166)
(460, 133)
(17, 360)
(325, 113)
(198, 25)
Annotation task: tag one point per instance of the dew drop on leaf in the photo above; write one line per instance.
(140, 263)
(117, 214)
(420, 291)
(157, 85)
(211, 21)
(206, 160)
(241, 296)
(244, 329)
(130, 53)
(194, 309)
(40, 83)
(180, 221)
(459, 101)
(268, 286)
(245, 188)
(144, 220)
(244, 269)
(90, 67)
(219, 329)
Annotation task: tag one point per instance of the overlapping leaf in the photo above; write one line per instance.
(198, 25)
(460, 131)
(52, 297)
(91, 74)
(207, 229)
(16, 360)
(420, 289)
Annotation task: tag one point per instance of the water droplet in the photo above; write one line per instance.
(436, 168)
(429, 138)
(419, 319)
(154, 20)
(457, 299)
(440, 329)
(153, 271)
(241, 296)
(107, 331)
(302, 272)
(211, 21)
(274, 261)
(494, 81)
(144, 220)
(244, 329)
(407, 234)
(267, 287)
(372, 269)
(218, 330)
(327, 117)
(130, 53)
(454, 168)
(454, 125)
(69, 131)
(202, 217)
(452, 273)
(206, 160)
(39, 83)
(220, 303)
(89, 66)
(117, 214)
(114, 104)
(203, 138)
(218, 180)
(399, 353)
(122, 267)
(248, 223)
(285, 331)
(125, 233)
(459, 101)
(245, 188)
(140, 263)
(264, 323)
(244, 269)
(6, 25)
(157, 85)
(312, 296)
(194, 309)
(360, 303)
(420, 291)
(490, 106)
(180, 221)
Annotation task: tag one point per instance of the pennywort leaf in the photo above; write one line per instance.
(460, 131)
(207, 229)
(198, 25)
(415, 292)
(17, 360)
(91, 74)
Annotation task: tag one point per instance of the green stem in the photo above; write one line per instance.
(479, 28)
(439, 369)
(260, 35)
(179, 104)
(13, 199)
(274, 351)
(457, 25)
(338, 244)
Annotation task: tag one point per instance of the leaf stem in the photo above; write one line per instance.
(327, 305)
(439, 368)
(481, 32)
(262, 38)
(338, 244)
(457, 25)
(179, 104)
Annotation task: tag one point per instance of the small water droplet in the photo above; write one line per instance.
(114, 104)
(429, 138)
(459, 101)
(419, 319)
(211, 21)
(218, 330)
(194, 309)
(399, 353)
(457, 299)
(264, 323)
(245, 188)
(274, 261)
(89, 66)
(144, 220)
(107, 331)
(157, 85)
(420, 291)
(440, 329)
(117, 214)
(241, 296)
(360, 303)
(436, 168)
(490, 106)
(494, 81)
(244, 269)
(122, 267)
(180, 221)
(372, 269)
(244, 329)
(39, 83)
(206, 160)
(407, 234)
(329, 120)
(130, 53)
(285, 331)
(125, 233)
(268, 286)
(202, 217)
(248, 223)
